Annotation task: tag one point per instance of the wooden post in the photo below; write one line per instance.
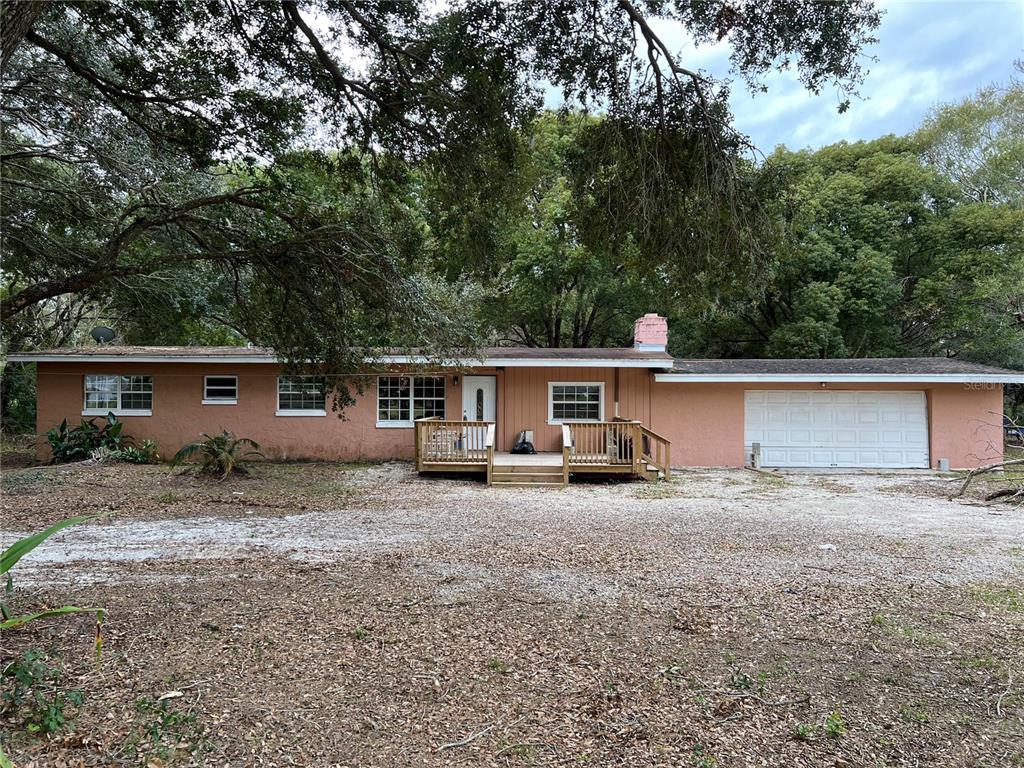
(668, 460)
(637, 449)
(489, 442)
(419, 453)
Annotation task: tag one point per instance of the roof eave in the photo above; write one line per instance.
(854, 378)
(487, 362)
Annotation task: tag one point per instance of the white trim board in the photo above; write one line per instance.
(853, 378)
(488, 362)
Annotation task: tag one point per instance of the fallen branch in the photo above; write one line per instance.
(1003, 695)
(1004, 492)
(473, 737)
(982, 471)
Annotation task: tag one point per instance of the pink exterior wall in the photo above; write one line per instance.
(705, 421)
(179, 415)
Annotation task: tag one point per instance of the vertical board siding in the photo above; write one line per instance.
(526, 400)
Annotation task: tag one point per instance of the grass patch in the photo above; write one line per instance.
(167, 497)
(1008, 598)
(29, 479)
(914, 713)
(658, 490)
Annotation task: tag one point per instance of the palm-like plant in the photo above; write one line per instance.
(18, 550)
(219, 454)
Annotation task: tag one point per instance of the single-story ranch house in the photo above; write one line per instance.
(634, 410)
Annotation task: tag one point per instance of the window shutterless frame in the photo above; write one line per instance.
(301, 396)
(575, 401)
(124, 395)
(220, 390)
(403, 399)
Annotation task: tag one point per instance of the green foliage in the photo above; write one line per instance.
(165, 731)
(32, 695)
(803, 731)
(877, 253)
(834, 725)
(220, 454)
(129, 209)
(18, 393)
(146, 453)
(978, 144)
(10, 557)
(79, 443)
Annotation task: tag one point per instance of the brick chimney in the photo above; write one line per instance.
(650, 333)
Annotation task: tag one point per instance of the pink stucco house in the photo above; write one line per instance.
(634, 410)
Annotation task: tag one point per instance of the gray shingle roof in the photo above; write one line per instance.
(925, 366)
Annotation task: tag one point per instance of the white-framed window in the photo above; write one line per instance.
(124, 395)
(301, 396)
(403, 399)
(575, 401)
(220, 390)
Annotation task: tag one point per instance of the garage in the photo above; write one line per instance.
(807, 428)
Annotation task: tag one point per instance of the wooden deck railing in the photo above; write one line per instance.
(656, 450)
(453, 442)
(603, 442)
(616, 442)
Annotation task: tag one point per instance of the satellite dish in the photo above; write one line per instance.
(102, 334)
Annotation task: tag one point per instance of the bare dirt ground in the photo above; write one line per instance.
(338, 615)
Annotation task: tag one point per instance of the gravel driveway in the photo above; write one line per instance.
(719, 525)
(333, 615)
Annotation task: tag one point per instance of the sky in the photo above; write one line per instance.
(928, 52)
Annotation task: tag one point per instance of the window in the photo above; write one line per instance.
(402, 399)
(575, 401)
(220, 390)
(124, 395)
(300, 396)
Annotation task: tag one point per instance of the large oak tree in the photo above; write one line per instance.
(143, 138)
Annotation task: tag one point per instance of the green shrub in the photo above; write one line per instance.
(147, 453)
(79, 443)
(221, 454)
(32, 694)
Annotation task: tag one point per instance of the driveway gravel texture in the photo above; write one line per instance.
(359, 615)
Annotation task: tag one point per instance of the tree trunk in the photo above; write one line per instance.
(16, 19)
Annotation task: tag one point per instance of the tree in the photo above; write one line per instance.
(978, 144)
(546, 282)
(142, 139)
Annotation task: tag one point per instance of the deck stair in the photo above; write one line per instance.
(527, 475)
(621, 447)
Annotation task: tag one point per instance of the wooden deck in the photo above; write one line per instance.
(619, 447)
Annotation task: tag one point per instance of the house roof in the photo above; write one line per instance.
(876, 369)
(873, 369)
(621, 357)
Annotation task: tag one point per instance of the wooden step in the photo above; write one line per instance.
(526, 478)
(528, 483)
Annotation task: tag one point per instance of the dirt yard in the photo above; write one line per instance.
(330, 615)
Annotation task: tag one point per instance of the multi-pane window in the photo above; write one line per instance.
(393, 399)
(401, 399)
(575, 401)
(220, 390)
(427, 397)
(121, 394)
(301, 395)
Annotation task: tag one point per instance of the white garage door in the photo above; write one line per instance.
(806, 428)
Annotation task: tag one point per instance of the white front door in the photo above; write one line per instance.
(811, 428)
(479, 398)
